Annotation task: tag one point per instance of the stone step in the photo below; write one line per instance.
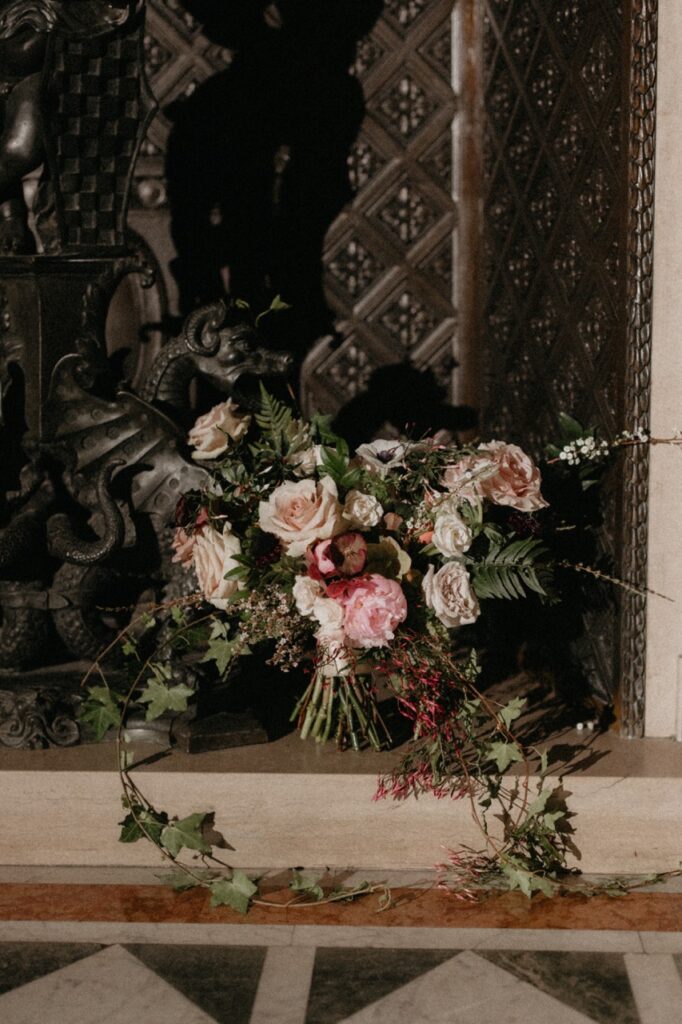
(290, 803)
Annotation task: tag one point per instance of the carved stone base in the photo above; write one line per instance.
(35, 718)
(219, 732)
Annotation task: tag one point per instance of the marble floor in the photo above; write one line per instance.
(105, 953)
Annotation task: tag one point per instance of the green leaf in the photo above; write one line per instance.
(141, 823)
(101, 710)
(236, 892)
(306, 885)
(504, 754)
(538, 805)
(570, 428)
(186, 833)
(509, 572)
(512, 711)
(161, 698)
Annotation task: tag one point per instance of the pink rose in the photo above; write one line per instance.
(465, 477)
(183, 546)
(300, 513)
(515, 480)
(211, 433)
(373, 608)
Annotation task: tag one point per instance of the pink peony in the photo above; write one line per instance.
(373, 608)
(515, 480)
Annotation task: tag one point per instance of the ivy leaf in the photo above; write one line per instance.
(308, 886)
(142, 824)
(538, 805)
(236, 892)
(221, 652)
(185, 834)
(504, 754)
(160, 698)
(512, 710)
(101, 710)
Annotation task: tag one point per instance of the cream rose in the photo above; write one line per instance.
(306, 591)
(301, 513)
(515, 480)
(448, 593)
(211, 433)
(214, 557)
(451, 535)
(362, 511)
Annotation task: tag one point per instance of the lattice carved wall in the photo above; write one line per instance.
(388, 259)
(389, 256)
(566, 249)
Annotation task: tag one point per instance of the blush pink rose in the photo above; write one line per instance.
(516, 479)
(373, 608)
(183, 547)
(301, 513)
(211, 433)
(465, 477)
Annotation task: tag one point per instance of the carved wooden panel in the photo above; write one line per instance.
(388, 256)
(568, 91)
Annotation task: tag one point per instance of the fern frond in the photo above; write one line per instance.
(509, 572)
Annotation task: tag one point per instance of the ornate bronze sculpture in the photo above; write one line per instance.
(91, 471)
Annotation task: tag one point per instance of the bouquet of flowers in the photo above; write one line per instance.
(354, 565)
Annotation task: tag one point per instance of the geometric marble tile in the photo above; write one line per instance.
(656, 986)
(467, 990)
(222, 980)
(21, 962)
(347, 980)
(596, 984)
(110, 987)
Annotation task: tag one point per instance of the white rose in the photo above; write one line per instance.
(448, 593)
(304, 462)
(362, 510)
(301, 513)
(451, 535)
(328, 613)
(382, 455)
(306, 591)
(211, 433)
(213, 557)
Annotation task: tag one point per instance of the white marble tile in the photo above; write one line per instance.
(83, 875)
(110, 987)
(467, 990)
(284, 986)
(656, 986)
(661, 942)
(468, 938)
(560, 940)
(180, 934)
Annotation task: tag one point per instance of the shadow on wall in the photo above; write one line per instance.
(257, 156)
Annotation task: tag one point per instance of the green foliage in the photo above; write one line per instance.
(504, 754)
(273, 419)
(509, 571)
(185, 834)
(142, 823)
(306, 885)
(159, 696)
(235, 892)
(182, 881)
(101, 710)
(511, 711)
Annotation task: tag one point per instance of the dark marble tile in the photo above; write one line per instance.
(221, 980)
(21, 962)
(595, 984)
(346, 980)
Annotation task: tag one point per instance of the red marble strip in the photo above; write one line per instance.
(414, 908)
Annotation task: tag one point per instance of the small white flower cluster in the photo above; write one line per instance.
(589, 449)
(585, 449)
